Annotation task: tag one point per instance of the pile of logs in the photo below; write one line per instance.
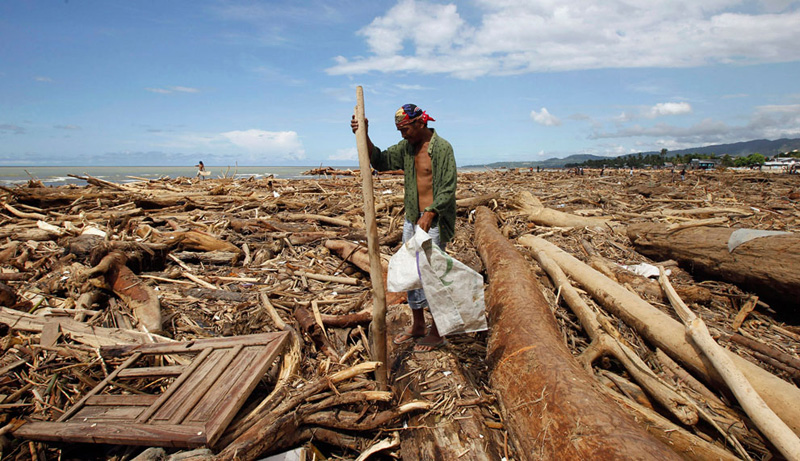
(585, 358)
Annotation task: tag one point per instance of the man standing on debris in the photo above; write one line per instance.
(430, 199)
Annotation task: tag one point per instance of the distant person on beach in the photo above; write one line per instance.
(429, 167)
(201, 169)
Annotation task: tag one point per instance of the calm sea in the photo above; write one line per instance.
(59, 175)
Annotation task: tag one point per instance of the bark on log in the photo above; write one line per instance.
(668, 334)
(189, 240)
(539, 214)
(142, 299)
(604, 341)
(347, 320)
(687, 444)
(764, 418)
(433, 436)
(553, 408)
(472, 202)
(768, 266)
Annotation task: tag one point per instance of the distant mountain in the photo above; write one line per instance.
(764, 147)
(549, 163)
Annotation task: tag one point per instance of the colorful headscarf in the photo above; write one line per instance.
(409, 112)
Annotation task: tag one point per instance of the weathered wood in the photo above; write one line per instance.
(768, 266)
(552, 407)
(142, 299)
(194, 409)
(604, 341)
(188, 240)
(347, 320)
(454, 432)
(358, 255)
(376, 273)
(283, 420)
(78, 331)
(472, 202)
(538, 213)
(309, 325)
(666, 333)
(681, 441)
(770, 424)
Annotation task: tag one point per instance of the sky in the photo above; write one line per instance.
(252, 83)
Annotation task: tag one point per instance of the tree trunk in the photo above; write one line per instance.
(768, 266)
(456, 431)
(553, 408)
(664, 332)
(538, 213)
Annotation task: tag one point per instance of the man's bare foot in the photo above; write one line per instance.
(429, 343)
(406, 337)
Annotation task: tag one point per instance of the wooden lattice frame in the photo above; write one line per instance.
(193, 411)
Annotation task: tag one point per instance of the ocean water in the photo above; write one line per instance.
(59, 175)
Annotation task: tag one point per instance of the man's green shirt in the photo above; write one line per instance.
(443, 163)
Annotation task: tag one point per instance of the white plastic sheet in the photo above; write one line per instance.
(454, 291)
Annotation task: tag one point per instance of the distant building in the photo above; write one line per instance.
(782, 163)
(704, 163)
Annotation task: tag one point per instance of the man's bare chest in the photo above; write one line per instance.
(422, 161)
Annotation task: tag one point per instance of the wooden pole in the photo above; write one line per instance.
(378, 326)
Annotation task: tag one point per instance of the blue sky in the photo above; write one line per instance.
(108, 82)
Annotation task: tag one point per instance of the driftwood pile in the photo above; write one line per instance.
(584, 359)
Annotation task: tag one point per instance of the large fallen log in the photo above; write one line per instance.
(666, 333)
(767, 265)
(762, 416)
(538, 213)
(457, 429)
(552, 406)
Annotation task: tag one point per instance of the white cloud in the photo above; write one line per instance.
(669, 108)
(283, 144)
(704, 128)
(775, 121)
(43, 79)
(767, 122)
(545, 118)
(11, 128)
(173, 89)
(184, 89)
(158, 90)
(521, 36)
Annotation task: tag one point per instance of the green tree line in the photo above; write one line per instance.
(661, 159)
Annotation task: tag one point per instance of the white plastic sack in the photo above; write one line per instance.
(454, 291)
